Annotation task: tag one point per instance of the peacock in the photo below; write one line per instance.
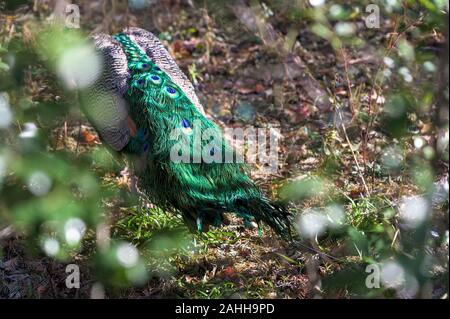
(144, 106)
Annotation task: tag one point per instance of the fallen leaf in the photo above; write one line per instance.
(229, 272)
(88, 137)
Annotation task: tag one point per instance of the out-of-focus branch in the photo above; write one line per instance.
(253, 19)
(443, 110)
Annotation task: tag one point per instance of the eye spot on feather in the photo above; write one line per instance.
(185, 123)
(171, 92)
(155, 79)
(144, 66)
(186, 127)
(140, 83)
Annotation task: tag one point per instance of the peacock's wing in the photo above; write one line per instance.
(103, 101)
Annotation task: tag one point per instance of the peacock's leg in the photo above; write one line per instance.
(207, 217)
(218, 220)
(199, 221)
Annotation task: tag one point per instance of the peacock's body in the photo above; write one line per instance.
(144, 105)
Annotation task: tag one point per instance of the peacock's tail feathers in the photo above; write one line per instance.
(202, 191)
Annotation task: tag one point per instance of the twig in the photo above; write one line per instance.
(80, 105)
(318, 251)
(395, 237)
(356, 160)
(347, 78)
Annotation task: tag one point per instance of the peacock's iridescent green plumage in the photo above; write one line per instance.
(200, 191)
